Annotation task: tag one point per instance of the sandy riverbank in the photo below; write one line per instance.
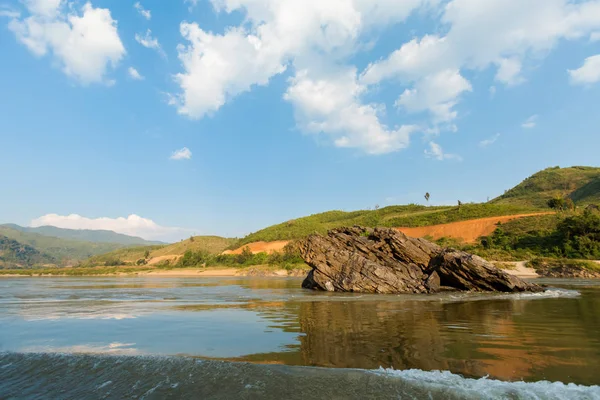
(521, 270)
(182, 273)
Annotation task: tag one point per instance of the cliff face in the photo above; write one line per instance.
(383, 260)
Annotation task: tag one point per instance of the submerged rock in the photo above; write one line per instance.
(384, 260)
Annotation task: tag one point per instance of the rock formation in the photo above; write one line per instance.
(384, 260)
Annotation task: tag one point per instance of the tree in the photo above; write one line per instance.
(191, 238)
(146, 254)
(557, 203)
(459, 204)
(427, 197)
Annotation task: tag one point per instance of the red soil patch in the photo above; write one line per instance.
(261, 247)
(467, 231)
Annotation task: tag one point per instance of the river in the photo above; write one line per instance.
(224, 338)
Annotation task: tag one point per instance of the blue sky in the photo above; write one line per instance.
(165, 119)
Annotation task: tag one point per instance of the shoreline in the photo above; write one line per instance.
(180, 273)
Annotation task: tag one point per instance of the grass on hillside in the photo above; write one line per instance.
(412, 215)
(555, 182)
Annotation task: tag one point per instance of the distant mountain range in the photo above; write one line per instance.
(22, 247)
(85, 235)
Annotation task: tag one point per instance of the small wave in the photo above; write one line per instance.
(51, 376)
(485, 388)
(552, 293)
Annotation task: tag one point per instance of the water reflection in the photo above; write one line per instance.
(274, 321)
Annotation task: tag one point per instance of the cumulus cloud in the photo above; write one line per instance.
(308, 35)
(143, 12)
(150, 42)
(134, 74)
(588, 73)
(530, 122)
(181, 154)
(489, 141)
(85, 41)
(436, 151)
(132, 225)
(316, 39)
(331, 105)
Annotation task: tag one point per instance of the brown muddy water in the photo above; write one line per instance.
(156, 337)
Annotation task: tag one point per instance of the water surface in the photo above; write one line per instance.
(221, 324)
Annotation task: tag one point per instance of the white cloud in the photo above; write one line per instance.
(509, 70)
(181, 154)
(492, 91)
(133, 225)
(317, 39)
(143, 12)
(482, 34)
(595, 36)
(84, 43)
(530, 122)
(490, 141)
(134, 74)
(331, 105)
(10, 13)
(307, 34)
(438, 94)
(436, 151)
(150, 42)
(588, 73)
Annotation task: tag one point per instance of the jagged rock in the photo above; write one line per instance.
(383, 260)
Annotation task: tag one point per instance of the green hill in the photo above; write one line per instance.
(208, 244)
(581, 184)
(17, 255)
(62, 251)
(85, 235)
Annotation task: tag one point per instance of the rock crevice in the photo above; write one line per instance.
(383, 260)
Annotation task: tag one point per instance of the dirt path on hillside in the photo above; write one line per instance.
(468, 231)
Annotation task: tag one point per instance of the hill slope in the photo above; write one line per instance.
(17, 255)
(209, 244)
(85, 235)
(62, 251)
(581, 184)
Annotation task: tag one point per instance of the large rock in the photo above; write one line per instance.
(384, 260)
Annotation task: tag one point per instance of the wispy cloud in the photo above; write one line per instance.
(490, 141)
(10, 13)
(181, 154)
(436, 151)
(143, 12)
(530, 122)
(150, 42)
(134, 74)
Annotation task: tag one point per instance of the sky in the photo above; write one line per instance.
(165, 119)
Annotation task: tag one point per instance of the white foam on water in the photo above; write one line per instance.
(553, 293)
(485, 388)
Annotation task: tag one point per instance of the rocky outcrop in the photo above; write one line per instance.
(383, 260)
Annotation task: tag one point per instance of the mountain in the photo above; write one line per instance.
(17, 255)
(581, 184)
(85, 235)
(62, 251)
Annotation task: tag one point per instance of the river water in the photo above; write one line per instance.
(228, 338)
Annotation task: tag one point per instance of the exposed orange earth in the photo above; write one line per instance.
(261, 247)
(467, 231)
